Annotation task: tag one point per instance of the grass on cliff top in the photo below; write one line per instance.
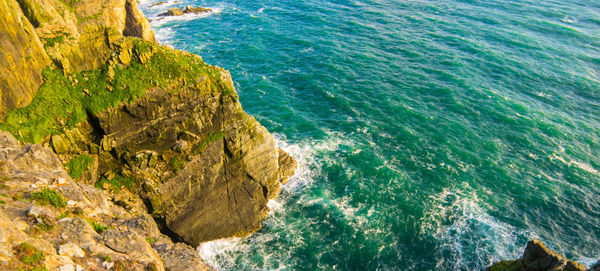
(63, 101)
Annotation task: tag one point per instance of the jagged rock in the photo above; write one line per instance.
(188, 9)
(196, 10)
(172, 12)
(287, 165)
(538, 257)
(230, 171)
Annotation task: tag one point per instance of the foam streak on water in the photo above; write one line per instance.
(430, 134)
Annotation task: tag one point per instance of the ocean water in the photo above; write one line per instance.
(431, 135)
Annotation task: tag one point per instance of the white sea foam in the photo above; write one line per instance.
(581, 165)
(459, 221)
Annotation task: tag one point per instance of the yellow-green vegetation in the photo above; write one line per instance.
(207, 141)
(29, 254)
(78, 165)
(47, 196)
(64, 100)
(98, 227)
(151, 240)
(176, 164)
(117, 182)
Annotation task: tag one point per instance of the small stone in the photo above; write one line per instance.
(61, 181)
(71, 250)
(71, 203)
(35, 211)
(67, 267)
(107, 265)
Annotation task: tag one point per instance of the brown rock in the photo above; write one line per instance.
(172, 12)
(22, 58)
(196, 10)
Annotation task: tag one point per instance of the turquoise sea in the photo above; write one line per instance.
(431, 135)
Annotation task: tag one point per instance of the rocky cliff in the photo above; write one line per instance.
(74, 35)
(538, 257)
(157, 131)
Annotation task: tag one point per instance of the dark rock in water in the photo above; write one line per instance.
(538, 257)
(188, 9)
(172, 12)
(196, 10)
(158, 4)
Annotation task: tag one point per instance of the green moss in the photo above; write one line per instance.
(98, 227)
(506, 265)
(63, 101)
(198, 149)
(29, 254)
(78, 165)
(2, 202)
(117, 182)
(47, 196)
(176, 164)
(151, 240)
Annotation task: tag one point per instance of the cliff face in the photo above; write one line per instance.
(156, 130)
(73, 35)
(22, 57)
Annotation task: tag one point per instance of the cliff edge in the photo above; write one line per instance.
(157, 130)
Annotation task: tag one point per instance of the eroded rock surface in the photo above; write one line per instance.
(538, 257)
(90, 233)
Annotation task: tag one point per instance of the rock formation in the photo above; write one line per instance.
(538, 257)
(188, 9)
(152, 140)
(73, 34)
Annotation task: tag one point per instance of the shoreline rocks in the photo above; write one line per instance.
(537, 257)
(188, 10)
